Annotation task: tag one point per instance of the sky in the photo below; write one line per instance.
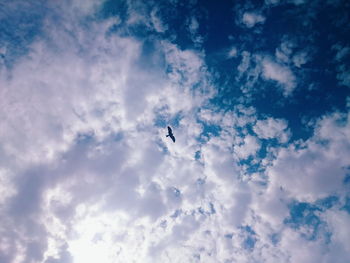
(257, 95)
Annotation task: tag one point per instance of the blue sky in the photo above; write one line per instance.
(257, 94)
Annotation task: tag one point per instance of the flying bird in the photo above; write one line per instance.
(170, 134)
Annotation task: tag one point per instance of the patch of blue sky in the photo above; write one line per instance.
(251, 166)
(220, 20)
(175, 15)
(302, 213)
(346, 205)
(208, 209)
(201, 210)
(175, 120)
(197, 155)
(347, 179)
(176, 213)
(200, 181)
(209, 130)
(228, 236)
(228, 87)
(315, 93)
(112, 9)
(20, 25)
(306, 105)
(249, 238)
(327, 202)
(176, 192)
(249, 242)
(268, 98)
(306, 215)
(162, 120)
(85, 138)
(275, 238)
(212, 208)
(265, 143)
(118, 136)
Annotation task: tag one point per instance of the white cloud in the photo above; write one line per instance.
(340, 248)
(316, 170)
(159, 26)
(344, 75)
(250, 19)
(246, 57)
(232, 52)
(300, 59)
(76, 114)
(284, 51)
(272, 128)
(193, 26)
(279, 73)
(342, 52)
(249, 147)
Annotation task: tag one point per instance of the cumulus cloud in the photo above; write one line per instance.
(249, 147)
(254, 66)
(280, 73)
(75, 114)
(272, 129)
(317, 169)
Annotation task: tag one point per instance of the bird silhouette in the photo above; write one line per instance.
(170, 134)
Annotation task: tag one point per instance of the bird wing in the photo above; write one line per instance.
(172, 137)
(170, 131)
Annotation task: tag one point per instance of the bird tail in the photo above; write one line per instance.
(167, 135)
